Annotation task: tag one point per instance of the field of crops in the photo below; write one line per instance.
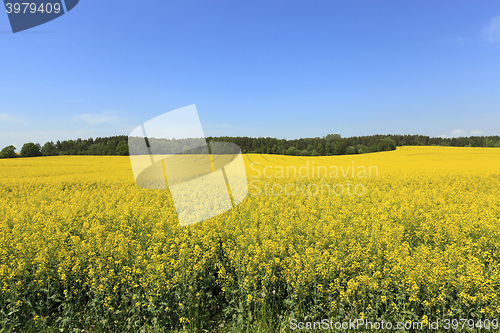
(412, 234)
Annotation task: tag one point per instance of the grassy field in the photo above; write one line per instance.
(407, 235)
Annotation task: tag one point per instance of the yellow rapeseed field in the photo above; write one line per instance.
(412, 234)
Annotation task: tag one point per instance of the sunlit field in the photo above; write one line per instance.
(407, 235)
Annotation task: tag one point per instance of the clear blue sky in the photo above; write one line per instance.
(285, 69)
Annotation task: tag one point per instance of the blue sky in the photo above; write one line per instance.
(285, 69)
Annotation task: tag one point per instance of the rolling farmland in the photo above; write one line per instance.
(411, 234)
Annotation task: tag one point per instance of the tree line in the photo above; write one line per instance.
(334, 144)
(331, 144)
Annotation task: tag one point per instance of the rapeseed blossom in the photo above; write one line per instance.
(78, 236)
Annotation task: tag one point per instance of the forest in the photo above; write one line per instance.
(331, 144)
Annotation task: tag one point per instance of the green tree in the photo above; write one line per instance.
(291, 151)
(387, 144)
(338, 148)
(489, 143)
(350, 150)
(360, 149)
(333, 137)
(305, 152)
(122, 148)
(8, 152)
(48, 149)
(30, 150)
(320, 149)
(110, 148)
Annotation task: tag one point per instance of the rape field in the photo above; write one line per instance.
(412, 234)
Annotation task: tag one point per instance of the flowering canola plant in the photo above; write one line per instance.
(420, 238)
